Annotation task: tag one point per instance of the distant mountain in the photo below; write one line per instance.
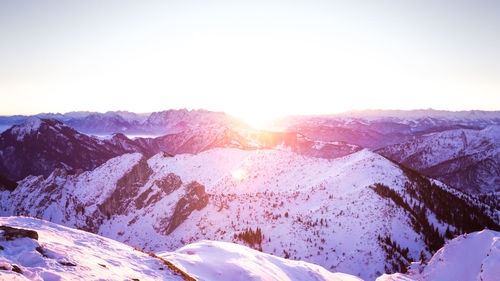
(360, 209)
(466, 159)
(198, 139)
(156, 123)
(379, 128)
(38, 146)
(371, 128)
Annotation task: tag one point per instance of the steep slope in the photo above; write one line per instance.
(328, 212)
(38, 146)
(474, 256)
(466, 159)
(38, 250)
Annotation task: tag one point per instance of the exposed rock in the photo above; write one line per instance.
(42, 251)
(139, 201)
(6, 184)
(169, 183)
(66, 263)
(194, 199)
(11, 233)
(16, 268)
(127, 188)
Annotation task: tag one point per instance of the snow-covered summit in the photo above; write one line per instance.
(28, 127)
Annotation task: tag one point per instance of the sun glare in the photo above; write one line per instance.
(258, 120)
(239, 174)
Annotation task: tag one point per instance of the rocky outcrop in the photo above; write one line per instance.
(194, 199)
(11, 233)
(166, 185)
(127, 188)
(6, 184)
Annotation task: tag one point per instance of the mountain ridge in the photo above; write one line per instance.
(306, 208)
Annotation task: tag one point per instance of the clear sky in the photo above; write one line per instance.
(254, 59)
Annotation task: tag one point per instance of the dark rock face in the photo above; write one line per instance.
(39, 149)
(127, 188)
(469, 174)
(194, 199)
(6, 184)
(11, 233)
(466, 159)
(167, 185)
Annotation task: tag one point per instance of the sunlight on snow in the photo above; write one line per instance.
(239, 174)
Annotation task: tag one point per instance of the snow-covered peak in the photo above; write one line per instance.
(223, 261)
(29, 126)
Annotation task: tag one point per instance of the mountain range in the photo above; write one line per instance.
(363, 194)
(38, 146)
(338, 213)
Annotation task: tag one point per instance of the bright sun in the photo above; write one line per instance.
(258, 120)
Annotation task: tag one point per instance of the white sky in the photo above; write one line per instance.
(255, 59)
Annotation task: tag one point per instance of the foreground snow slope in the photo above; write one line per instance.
(33, 249)
(62, 253)
(211, 260)
(474, 256)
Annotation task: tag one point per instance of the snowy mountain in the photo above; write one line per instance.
(370, 128)
(175, 121)
(379, 128)
(129, 123)
(474, 256)
(38, 146)
(360, 209)
(196, 140)
(466, 159)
